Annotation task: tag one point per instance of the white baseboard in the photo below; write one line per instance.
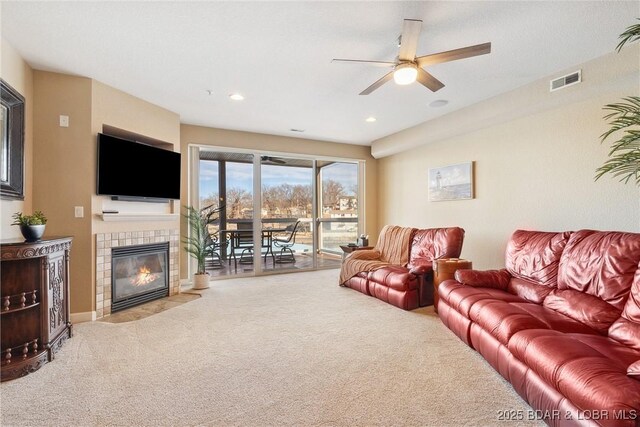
(87, 316)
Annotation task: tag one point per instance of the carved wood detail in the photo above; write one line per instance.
(37, 249)
(34, 285)
(56, 315)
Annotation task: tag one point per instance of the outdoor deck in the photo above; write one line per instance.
(303, 261)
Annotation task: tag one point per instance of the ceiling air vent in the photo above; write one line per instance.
(564, 81)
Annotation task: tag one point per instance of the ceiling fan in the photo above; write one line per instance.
(269, 159)
(407, 68)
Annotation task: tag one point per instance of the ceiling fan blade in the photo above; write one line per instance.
(429, 81)
(378, 83)
(409, 39)
(364, 61)
(269, 159)
(452, 55)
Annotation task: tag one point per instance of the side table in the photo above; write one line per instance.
(445, 269)
(346, 249)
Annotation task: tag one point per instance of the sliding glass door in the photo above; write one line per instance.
(287, 212)
(277, 212)
(338, 198)
(226, 185)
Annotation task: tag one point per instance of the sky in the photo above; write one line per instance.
(241, 175)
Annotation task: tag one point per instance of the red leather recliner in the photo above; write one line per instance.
(404, 279)
(561, 322)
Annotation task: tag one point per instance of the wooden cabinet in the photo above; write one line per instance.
(445, 269)
(34, 290)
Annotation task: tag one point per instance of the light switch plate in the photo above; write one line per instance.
(64, 121)
(79, 211)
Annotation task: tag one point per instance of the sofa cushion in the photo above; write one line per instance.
(392, 248)
(434, 243)
(503, 319)
(528, 290)
(496, 279)
(589, 370)
(421, 267)
(461, 297)
(584, 308)
(626, 329)
(600, 263)
(395, 277)
(535, 255)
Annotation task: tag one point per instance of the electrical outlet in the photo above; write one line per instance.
(79, 211)
(64, 121)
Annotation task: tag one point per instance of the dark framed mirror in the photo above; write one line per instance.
(11, 143)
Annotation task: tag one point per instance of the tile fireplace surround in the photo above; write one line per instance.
(106, 241)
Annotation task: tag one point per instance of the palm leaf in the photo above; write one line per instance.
(195, 243)
(624, 154)
(630, 35)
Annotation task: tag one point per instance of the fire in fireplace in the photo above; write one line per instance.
(139, 274)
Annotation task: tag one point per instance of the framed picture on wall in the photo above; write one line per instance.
(453, 182)
(11, 143)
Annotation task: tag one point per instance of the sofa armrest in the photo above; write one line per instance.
(364, 254)
(420, 268)
(497, 279)
(634, 369)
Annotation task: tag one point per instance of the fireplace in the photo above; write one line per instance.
(139, 274)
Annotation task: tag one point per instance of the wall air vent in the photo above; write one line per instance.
(564, 81)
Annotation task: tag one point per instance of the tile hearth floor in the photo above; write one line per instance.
(150, 308)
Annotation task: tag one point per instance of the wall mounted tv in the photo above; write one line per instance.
(129, 170)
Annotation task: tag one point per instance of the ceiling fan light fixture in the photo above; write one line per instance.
(405, 74)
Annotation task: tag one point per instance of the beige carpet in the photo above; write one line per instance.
(292, 349)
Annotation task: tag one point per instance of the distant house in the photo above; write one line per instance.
(346, 203)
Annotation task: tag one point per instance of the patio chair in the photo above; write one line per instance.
(213, 244)
(285, 243)
(214, 248)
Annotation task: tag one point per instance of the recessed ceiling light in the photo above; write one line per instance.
(438, 103)
(236, 97)
(370, 119)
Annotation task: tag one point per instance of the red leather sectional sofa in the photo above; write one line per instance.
(408, 284)
(561, 322)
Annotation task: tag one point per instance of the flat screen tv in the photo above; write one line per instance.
(135, 170)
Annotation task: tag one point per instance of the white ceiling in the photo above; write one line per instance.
(278, 55)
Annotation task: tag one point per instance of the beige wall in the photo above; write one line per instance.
(64, 171)
(118, 109)
(17, 73)
(199, 135)
(65, 164)
(534, 172)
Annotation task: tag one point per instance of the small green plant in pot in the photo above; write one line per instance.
(31, 226)
(196, 244)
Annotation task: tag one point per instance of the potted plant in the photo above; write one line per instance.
(196, 244)
(31, 226)
(624, 155)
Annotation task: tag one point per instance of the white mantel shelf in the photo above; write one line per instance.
(131, 216)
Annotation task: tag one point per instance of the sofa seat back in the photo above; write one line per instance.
(532, 258)
(626, 329)
(394, 244)
(595, 275)
(434, 243)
